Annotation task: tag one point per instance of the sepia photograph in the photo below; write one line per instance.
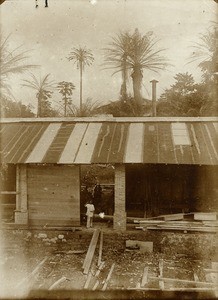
(108, 149)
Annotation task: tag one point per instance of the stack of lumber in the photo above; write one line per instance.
(200, 222)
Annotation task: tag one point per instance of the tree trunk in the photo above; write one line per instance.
(38, 115)
(65, 105)
(81, 77)
(123, 90)
(137, 84)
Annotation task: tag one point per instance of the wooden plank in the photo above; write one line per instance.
(91, 251)
(100, 248)
(32, 273)
(161, 282)
(146, 247)
(100, 268)
(183, 281)
(108, 277)
(210, 223)
(62, 279)
(173, 217)
(211, 270)
(200, 229)
(89, 277)
(210, 216)
(110, 119)
(56, 194)
(214, 265)
(196, 278)
(194, 289)
(8, 193)
(95, 285)
(144, 277)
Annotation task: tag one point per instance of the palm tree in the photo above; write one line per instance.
(66, 89)
(140, 54)
(205, 52)
(116, 57)
(82, 57)
(42, 88)
(12, 62)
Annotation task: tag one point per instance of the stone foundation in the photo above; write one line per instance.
(21, 217)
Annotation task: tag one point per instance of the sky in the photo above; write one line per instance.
(51, 33)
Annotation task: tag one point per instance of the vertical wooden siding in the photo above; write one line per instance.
(54, 195)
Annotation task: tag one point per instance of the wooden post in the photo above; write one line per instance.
(21, 213)
(120, 198)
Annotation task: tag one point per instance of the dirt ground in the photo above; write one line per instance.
(31, 261)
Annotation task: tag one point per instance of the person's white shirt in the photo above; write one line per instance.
(90, 209)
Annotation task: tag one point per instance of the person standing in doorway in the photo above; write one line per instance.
(89, 213)
(97, 197)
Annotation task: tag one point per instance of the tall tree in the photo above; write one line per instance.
(14, 109)
(66, 89)
(186, 98)
(116, 58)
(43, 88)
(82, 57)
(205, 52)
(138, 52)
(12, 62)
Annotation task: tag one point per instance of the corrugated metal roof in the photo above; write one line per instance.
(123, 140)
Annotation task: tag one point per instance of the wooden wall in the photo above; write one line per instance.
(53, 195)
(161, 189)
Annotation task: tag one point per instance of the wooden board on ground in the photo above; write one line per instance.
(108, 277)
(100, 248)
(199, 229)
(182, 281)
(59, 281)
(91, 251)
(144, 247)
(209, 216)
(173, 217)
(144, 277)
(32, 273)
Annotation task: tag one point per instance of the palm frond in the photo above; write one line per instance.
(128, 50)
(81, 56)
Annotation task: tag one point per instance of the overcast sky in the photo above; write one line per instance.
(52, 32)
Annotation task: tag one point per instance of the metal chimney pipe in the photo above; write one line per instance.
(154, 96)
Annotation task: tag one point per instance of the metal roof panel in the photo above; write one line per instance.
(109, 142)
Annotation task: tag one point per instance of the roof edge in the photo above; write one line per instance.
(102, 119)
